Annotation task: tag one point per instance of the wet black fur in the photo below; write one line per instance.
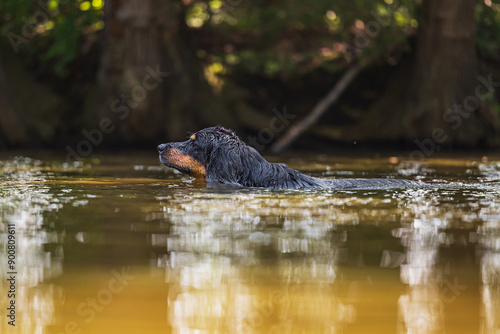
(228, 160)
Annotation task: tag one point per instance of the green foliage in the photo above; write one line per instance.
(50, 30)
(281, 38)
(274, 38)
(488, 28)
(295, 36)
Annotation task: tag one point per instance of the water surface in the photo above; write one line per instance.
(122, 245)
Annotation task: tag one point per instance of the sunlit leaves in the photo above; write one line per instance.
(97, 4)
(197, 15)
(85, 5)
(94, 4)
(215, 5)
(53, 4)
(266, 37)
(272, 38)
(276, 38)
(58, 27)
(213, 73)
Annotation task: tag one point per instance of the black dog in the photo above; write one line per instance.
(218, 155)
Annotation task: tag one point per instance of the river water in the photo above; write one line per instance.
(119, 244)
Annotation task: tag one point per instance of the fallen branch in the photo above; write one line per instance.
(319, 109)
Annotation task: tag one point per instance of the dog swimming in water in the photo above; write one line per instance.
(218, 155)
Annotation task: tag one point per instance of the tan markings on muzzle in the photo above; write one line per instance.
(176, 158)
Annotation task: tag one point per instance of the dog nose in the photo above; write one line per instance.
(162, 147)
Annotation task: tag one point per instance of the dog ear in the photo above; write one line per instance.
(224, 166)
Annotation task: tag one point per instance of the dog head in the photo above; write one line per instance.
(213, 154)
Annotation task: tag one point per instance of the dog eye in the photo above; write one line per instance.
(196, 141)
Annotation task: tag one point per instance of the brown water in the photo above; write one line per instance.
(122, 245)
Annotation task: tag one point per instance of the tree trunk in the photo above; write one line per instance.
(440, 97)
(30, 112)
(150, 84)
(445, 76)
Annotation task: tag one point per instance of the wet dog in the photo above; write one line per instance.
(218, 155)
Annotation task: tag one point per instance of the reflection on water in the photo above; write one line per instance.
(232, 265)
(25, 204)
(111, 247)
(421, 307)
(489, 234)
